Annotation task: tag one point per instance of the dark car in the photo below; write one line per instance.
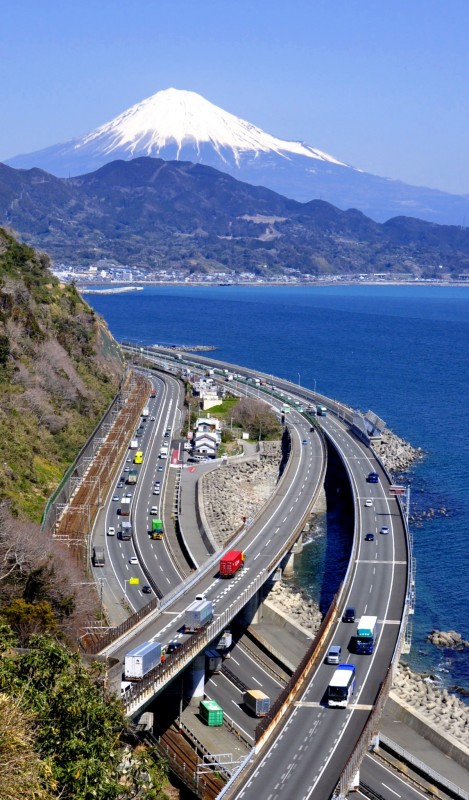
(373, 477)
(172, 647)
(146, 589)
(370, 537)
(349, 615)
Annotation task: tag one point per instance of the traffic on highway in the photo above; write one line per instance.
(325, 722)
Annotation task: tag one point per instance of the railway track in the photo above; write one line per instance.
(183, 759)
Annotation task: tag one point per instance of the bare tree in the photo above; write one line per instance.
(256, 417)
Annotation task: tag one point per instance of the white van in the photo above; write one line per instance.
(334, 654)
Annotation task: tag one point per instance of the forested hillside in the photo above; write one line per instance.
(59, 369)
(60, 731)
(155, 214)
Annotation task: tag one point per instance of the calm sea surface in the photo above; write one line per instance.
(402, 352)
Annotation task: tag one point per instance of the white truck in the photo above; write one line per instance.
(163, 453)
(198, 614)
(125, 506)
(146, 412)
(141, 660)
(134, 444)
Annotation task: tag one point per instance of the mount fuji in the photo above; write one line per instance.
(184, 126)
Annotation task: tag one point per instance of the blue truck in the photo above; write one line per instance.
(366, 633)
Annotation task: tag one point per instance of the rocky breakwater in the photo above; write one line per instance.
(439, 708)
(395, 453)
(451, 640)
(297, 605)
(239, 490)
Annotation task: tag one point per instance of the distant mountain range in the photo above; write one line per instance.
(149, 212)
(183, 126)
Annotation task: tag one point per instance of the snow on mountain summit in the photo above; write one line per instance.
(173, 117)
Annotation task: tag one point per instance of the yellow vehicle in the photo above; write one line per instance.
(138, 457)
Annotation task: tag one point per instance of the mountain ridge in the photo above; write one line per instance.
(193, 218)
(178, 125)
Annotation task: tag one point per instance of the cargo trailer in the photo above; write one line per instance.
(231, 562)
(141, 660)
(211, 713)
(213, 661)
(198, 614)
(257, 702)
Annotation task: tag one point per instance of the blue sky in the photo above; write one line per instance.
(381, 86)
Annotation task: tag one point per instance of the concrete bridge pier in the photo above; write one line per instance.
(298, 546)
(288, 564)
(195, 681)
(253, 610)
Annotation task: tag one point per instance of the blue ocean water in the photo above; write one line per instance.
(401, 351)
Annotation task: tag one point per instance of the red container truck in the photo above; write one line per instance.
(231, 562)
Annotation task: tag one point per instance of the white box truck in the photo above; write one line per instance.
(198, 614)
(141, 660)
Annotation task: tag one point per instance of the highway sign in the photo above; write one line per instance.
(397, 490)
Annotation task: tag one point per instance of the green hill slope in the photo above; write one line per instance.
(59, 369)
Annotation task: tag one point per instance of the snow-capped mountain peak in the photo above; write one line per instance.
(183, 125)
(181, 119)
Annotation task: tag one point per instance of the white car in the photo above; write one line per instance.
(368, 503)
(154, 510)
(133, 560)
(111, 531)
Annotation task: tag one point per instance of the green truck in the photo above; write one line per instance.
(156, 529)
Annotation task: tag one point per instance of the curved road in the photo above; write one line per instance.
(311, 750)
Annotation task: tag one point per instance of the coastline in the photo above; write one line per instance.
(271, 284)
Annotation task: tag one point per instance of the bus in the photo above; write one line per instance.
(138, 457)
(156, 529)
(341, 686)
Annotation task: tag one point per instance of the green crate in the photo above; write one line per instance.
(211, 713)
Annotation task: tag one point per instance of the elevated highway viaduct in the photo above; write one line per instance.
(307, 746)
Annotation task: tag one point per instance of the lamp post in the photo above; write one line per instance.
(299, 379)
